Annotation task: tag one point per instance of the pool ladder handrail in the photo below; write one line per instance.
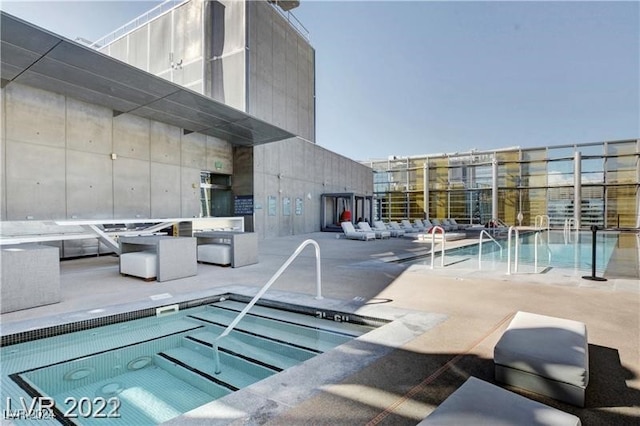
(566, 230)
(433, 231)
(542, 218)
(484, 232)
(517, 236)
(535, 251)
(263, 290)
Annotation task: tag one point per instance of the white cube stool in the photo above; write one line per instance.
(141, 264)
(219, 254)
(477, 402)
(545, 355)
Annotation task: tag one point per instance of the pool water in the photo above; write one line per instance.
(553, 251)
(150, 370)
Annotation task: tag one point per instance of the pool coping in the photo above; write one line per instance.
(272, 396)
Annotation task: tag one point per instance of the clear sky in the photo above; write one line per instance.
(420, 77)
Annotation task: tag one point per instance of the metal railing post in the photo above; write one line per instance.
(433, 243)
(517, 236)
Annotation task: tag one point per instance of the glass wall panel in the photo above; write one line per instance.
(534, 203)
(508, 202)
(622, 206)
(560, 153)
(534, 174)
(459, 207)
(560, 205)
(591, 150)
(622, 169)
(622, 148)
(481, 176)
(592, 171)
(592, 208)
(560, 173)
(534, 154)
(415, 179)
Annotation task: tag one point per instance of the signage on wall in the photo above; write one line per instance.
(298, 206)
(271, 203)
(243, 205)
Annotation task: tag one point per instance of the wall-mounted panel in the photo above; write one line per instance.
(164, 143)
(131, 136)
(35, 178)
(35, 115)
(131, 188)
(89, 185)
(89, 127)
(165, 190)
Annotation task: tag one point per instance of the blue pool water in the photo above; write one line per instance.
(553, 250)
(150, 370)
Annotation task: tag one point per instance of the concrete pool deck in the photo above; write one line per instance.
(408, 381)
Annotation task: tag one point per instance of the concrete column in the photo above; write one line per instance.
(425, 188)
(577, 183)
(494, 188)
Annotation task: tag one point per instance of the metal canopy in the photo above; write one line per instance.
(35, 57)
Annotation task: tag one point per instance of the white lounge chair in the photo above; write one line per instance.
(420, 225)
(351, 233)
(438, 222)
(379, 225)
(364, 226)
(409, 227)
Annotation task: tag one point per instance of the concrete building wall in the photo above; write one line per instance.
(281, 68)
(60, 166)
(293, 174)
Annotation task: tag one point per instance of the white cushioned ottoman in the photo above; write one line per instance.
(477, 402)
(141, 264)
(219, 254)
(546, 355)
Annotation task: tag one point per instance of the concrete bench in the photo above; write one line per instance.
(545, 355)
(220, 254)
(141, 264)
(477, 402)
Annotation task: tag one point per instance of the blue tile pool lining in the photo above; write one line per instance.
(26, 367)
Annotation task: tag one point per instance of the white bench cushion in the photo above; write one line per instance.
(139, 264)
(550, 347)
(215, 253)
(477, 402)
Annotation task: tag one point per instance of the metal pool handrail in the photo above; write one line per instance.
(484, 232)
(542, 218)
(263, 290)
(567, 229)
(433, 243)
(517, 235)
(535, 252)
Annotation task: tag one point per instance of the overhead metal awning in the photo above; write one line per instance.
(36, 57)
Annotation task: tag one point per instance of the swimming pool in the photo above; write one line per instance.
(554, 251)
(152, 369)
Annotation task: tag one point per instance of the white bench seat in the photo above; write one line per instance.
(141, 264)
(477, 402)
(545, 355)
(220, 254)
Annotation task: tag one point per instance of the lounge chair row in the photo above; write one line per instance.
(381, 230)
